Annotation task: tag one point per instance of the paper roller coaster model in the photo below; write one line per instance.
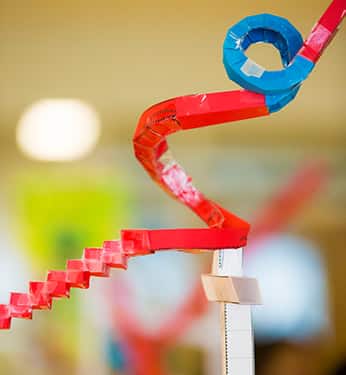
(264, 92)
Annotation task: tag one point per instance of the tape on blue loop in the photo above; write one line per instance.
(282, 84)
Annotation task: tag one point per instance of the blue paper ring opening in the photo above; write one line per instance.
(282, 35)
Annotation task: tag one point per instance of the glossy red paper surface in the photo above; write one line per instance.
(163, 119)
(115, 254)
(324, 31)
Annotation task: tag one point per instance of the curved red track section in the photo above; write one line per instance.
(183, 113)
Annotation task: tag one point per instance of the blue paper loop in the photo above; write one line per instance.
(280, 86)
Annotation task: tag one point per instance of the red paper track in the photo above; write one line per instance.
(113, 254)
(151, 149)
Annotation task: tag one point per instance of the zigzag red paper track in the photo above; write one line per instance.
(114, 254)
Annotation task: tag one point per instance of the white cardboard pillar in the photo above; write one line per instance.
(236, 324)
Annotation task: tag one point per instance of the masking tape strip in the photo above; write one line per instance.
(231, 289)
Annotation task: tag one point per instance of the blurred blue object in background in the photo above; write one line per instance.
(115, 355)
(293, 286)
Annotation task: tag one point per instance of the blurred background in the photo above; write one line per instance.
(74, 78)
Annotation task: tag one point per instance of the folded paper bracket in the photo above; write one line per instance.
(231, 289)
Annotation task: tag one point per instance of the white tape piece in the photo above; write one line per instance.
(252, 69)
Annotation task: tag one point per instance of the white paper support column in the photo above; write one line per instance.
(236, 324)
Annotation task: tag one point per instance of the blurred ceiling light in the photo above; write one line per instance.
(58, 130)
